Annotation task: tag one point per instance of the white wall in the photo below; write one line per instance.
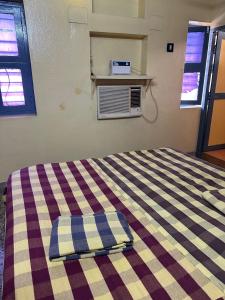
(219, 15)
(117, 7)
(66, 127)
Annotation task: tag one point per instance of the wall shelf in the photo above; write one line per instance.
(99, 80)
(121, 77)
(117, 35)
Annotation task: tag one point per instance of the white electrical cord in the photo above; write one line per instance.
(153, 120)
(149, 87)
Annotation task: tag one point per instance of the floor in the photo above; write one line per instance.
(2, 234)
(216, 157)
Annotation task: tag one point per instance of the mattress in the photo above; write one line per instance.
(179, 238)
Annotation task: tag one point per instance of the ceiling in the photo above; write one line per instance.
(211, 3)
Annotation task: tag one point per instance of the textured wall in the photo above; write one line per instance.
(66, 127)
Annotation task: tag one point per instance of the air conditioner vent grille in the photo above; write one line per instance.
(114, 99)
(119, 101)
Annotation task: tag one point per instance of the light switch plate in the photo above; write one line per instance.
(170, 47)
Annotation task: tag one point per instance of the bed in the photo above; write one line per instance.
(179, 238)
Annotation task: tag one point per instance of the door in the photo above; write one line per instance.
(212, 127)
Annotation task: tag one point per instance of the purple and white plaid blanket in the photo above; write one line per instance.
(178, 238)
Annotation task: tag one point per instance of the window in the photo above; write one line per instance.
(16, 85)
(195, 62)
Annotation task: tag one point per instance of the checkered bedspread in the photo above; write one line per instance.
(160, 194)
(216, 198)
(90, 235)
(169, 187)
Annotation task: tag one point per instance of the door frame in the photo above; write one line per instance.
(207, 108)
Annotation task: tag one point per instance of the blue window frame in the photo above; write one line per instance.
(16, 83)
(195, 65)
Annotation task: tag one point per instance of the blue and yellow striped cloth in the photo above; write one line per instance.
(76, 237)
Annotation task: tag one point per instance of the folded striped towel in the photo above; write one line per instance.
(76, 237)
(216, 198)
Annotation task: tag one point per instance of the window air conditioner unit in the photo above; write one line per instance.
(121, 101)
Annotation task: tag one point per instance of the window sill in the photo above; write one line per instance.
(17, 116)
(190, 106)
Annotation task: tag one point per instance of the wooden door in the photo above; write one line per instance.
(214, 125)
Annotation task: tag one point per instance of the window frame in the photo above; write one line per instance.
(22, 62)
(198, 67)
